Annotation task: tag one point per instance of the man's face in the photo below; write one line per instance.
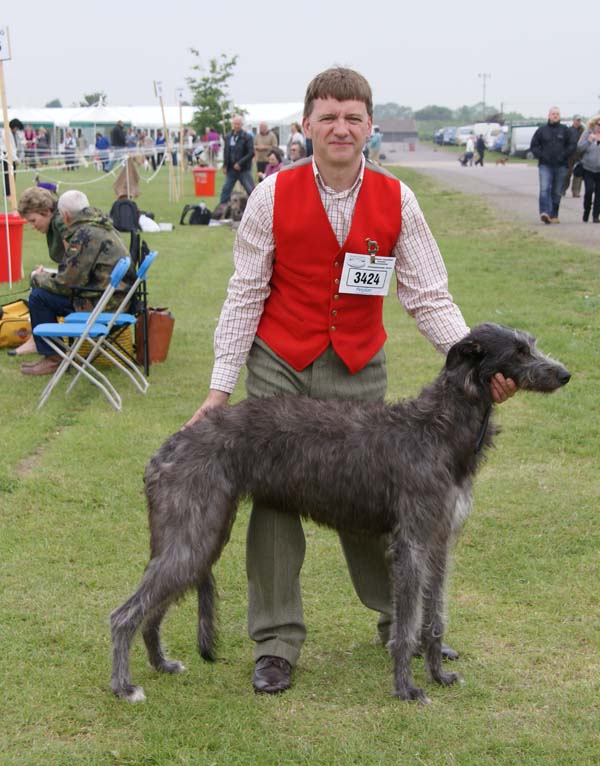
(294, 152)
(576, 122)
(554, 115)
(338, 130)
(236, 124)
(39, 221)
(263, 128)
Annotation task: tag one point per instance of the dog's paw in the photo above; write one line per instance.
(447, 679)
(412, 694)
(130, 693)
(172, 666)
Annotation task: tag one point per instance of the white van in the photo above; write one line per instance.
(520, 140)
(463, 133)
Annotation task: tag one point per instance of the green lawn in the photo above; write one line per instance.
(523, 597)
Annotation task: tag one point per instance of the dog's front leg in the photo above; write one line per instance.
(432, 630)
(407, 567)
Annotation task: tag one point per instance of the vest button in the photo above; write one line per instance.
(334, 312)
(336, 264)
(336, 297)
(336, 281)
(332, 327)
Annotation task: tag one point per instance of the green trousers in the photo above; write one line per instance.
(275, 541)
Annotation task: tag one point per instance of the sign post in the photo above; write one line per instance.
(5, 56)
(173, 191)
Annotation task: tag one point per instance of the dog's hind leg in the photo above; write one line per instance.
(206, 618)
(432, 630)
(407, 566)
(151, 636)
(165, 579)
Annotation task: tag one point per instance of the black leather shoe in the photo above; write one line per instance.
(272, 675)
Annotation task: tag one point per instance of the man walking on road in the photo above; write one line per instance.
(552, 144)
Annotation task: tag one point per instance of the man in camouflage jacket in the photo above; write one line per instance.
(92, 248)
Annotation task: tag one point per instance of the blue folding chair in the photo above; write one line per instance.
(117, 320)
(58, 334)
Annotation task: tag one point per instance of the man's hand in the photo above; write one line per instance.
(502, 388)
(215, 398)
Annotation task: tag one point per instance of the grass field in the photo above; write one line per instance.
(523, 597)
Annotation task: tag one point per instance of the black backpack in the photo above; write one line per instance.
(125, 215)
(200, 215)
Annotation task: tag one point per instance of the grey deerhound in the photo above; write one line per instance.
(403, 470)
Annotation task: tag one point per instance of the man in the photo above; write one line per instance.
(551, 145)
(264, 141)
(92, 248)
(296, 152)
(576, 131)
(375, 145)
(467, 158)
(301, 333)
(237, 159)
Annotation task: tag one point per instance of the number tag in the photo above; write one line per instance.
(366, 275)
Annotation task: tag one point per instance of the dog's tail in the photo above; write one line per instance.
(206, 619)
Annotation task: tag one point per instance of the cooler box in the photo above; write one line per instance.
(11, 241)
(204, 181)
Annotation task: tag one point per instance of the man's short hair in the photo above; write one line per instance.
(36, 200)
(339, 83)
(72, 202)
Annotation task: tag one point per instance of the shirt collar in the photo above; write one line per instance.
(355, 186)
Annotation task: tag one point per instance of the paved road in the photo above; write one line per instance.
(511, 189)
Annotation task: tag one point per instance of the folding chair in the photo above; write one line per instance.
(117, 320)
(57, 334)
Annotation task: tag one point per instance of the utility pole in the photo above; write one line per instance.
(484, 76)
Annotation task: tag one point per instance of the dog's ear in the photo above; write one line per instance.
(466, 350)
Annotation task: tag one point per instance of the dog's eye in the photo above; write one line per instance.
(523, 349)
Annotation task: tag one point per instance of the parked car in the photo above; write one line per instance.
(520, 140)
(501, 143)
(449, 137)
(438, 136)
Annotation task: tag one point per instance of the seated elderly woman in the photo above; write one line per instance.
(92, 248)
(38, 206)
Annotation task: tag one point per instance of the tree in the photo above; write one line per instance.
(391, 111)
(94, 99)
(210, 96)
(434, 112)
(54, 104)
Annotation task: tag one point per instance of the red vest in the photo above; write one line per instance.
(304, 312)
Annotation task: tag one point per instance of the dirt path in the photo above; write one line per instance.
(511, 189)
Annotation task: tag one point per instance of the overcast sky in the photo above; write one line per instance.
(417, 53)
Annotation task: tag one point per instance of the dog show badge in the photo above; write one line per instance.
(367, 274)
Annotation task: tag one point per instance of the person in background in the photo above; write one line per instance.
(103, 149)
(38, 206)
(288, 319)
(467, 158)
(264, 141)
(552, 144)
(296, 137)
(480, 149)
(92, 249)
(296, 152)
(589, 150)
(70, 146)
(576, 131)
(375, 145)
(274, 163)
(43, 145)
(237, 159)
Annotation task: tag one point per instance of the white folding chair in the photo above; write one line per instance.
(57, 335)
(118, 319)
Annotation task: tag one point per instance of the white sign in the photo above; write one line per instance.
(179, 95)
(158, 88)
(366, 274)
(4, 44)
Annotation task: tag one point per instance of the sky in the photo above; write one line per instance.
(534, 54)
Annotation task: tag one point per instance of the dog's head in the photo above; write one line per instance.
(492, 348)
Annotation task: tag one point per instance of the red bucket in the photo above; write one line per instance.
(204, 181)
(11, 246)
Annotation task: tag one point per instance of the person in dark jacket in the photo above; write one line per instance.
(480, 149)
(552, 144)
(238, 152)
(577, 131)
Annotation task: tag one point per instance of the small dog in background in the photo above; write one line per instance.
(404, 470)
(501, 160)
